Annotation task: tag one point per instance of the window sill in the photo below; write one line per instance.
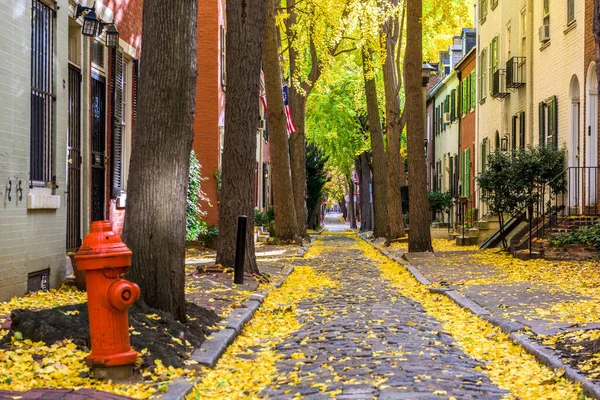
(570, 26)
(482, 101)
(42, 199)
(544, 46)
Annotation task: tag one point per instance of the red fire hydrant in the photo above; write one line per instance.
(105, 259)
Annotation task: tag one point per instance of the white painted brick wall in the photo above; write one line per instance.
(553, 69)
(30, 240)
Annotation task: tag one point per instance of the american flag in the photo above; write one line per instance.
(291, 128)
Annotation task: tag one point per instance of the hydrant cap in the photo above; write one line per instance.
(102, 248)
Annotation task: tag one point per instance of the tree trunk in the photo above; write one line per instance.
(351, 206)
(297, 144)
(285, 215)
(419, 238)
(297, 140)
(364, 179)
(155, 222)
(395, 170)
(343, 208)
(245, 29)
(378, 149)
(314, 220)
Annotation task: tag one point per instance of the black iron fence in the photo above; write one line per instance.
(548, 211)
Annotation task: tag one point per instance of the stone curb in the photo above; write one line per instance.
(509, 327)
(178, 389)
(211, 350)
(551, 361)
(469, 304)
(302, 250)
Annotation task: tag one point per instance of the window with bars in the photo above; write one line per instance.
(43, 24)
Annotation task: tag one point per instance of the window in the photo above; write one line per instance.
(482, 10)
(546, 12)
(223, 57)
(42, 92)
(493, 60)
(483, 74)
(523, 32)
(98, 54)
(570, 11)
(548, 122)
(518, 131)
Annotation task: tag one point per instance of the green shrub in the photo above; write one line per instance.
(208, 236)
(261, 218)
(589, 235)
(193, 213)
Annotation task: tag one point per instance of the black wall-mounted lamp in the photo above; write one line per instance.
(92, 26)
(112, 36)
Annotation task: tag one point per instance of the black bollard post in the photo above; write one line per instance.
(240, 251)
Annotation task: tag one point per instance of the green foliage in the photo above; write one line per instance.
(193, 213)
(589, 235)
(271, 213)
(261, 218)
(208, 235)
(336, 117)
(315, 177)
(511, 181)
(439, 201)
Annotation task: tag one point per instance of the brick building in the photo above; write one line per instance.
(209, 124)
(466, 143)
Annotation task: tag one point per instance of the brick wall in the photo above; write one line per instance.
(209, 101)
(467, 122)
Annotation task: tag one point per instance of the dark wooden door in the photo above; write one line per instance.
(98, 147)
(74, 161)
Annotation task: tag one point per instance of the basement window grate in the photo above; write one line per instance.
(39, 280)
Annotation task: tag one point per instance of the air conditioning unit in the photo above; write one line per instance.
(544, 33)
(262, 124)
(446, 118)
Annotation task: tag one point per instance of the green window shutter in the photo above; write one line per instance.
(453, 105)
(555, 122)
(462, 173)
(468, 171)
(522, 128)
(542, 122)
(513, 132)
(473, 90)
